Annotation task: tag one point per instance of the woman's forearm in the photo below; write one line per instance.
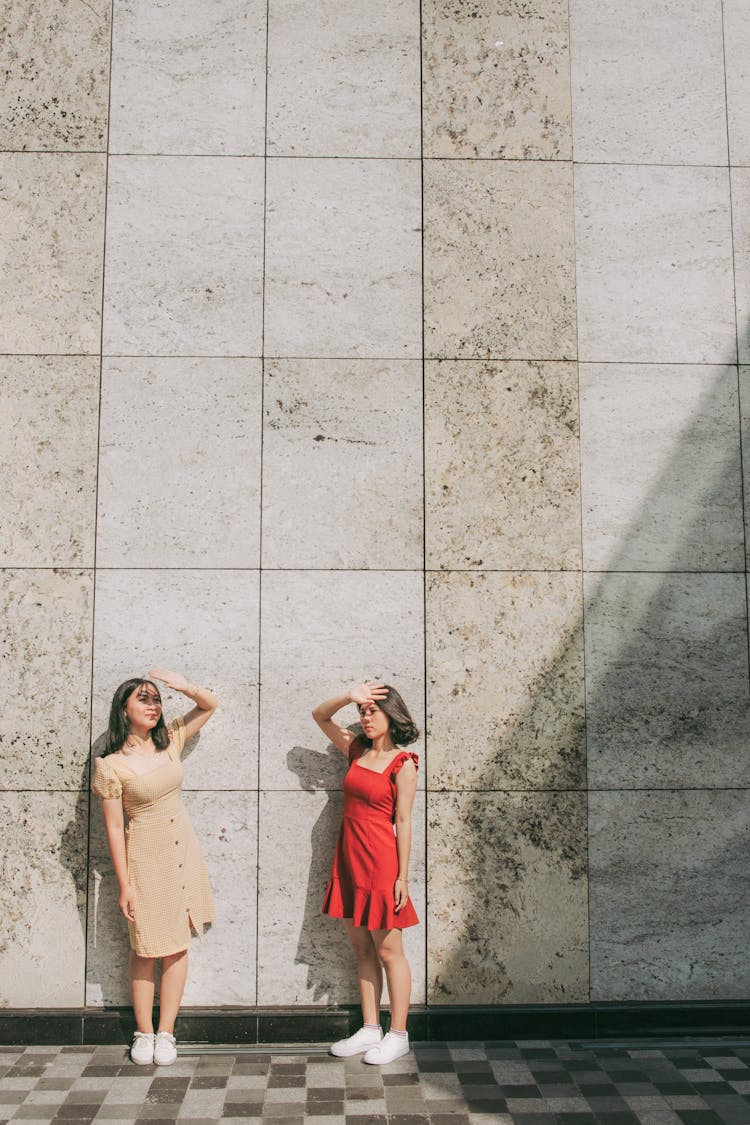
(326, 710)
(201, 697)
(403, 847)
(116, 841)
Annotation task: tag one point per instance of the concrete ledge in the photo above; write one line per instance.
(321, 1025)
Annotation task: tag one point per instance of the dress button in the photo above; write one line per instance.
(177, 842)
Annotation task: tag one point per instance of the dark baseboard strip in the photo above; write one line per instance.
(243, 1026)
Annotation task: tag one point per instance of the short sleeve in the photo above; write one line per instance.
(176, 730)
(106, 783)
(404, 756)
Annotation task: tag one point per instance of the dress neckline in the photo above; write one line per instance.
(147, 773)
(378, 772)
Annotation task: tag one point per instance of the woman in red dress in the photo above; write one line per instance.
(369, 884)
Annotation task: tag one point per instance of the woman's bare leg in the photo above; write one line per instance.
(141, 974)
(173, 976)
(369, 972)
(390, 950)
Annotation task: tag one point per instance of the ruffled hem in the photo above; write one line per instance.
(371, 909)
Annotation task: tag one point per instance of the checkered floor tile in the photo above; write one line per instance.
(519, 1083)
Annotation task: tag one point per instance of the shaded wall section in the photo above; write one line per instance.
(409, 344)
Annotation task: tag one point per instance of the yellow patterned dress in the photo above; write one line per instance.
(171, 892)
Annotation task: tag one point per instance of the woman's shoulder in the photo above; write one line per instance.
(107, 782)
(405, 758)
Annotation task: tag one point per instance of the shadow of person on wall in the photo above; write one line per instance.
(322, 945)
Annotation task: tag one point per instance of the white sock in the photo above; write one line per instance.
(371, 1026)
(401, 1034)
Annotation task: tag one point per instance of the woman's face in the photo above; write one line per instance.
(143, 707)
(374, 721)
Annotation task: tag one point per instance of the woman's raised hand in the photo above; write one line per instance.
(173, 680)
(369, 692)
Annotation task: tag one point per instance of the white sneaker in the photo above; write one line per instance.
(392, 1047)
(165, 1049)
(142, 1049)
(362, 1040)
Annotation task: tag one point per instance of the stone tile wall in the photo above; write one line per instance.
(344, 345)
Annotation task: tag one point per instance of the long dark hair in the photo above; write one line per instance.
(403, 729)
(119, 725)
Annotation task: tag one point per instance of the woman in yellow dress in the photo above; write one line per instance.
(164, 890)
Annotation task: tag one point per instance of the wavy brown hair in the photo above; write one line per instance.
(119, 725)
(403, 729)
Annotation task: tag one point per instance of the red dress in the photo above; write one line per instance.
(365, 865)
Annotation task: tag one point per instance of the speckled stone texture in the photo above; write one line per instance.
(502, 462)
(741, 232)
(55, 75)
(499, 270)
(349, 434)
(47, 512)
(188, 78)
(348, 626)
(203, 623)
(45, 644)
(179, 463)
(184, 256)
(648, 82)
(496, 80)
(51, 242)
(667, 681)
(304, 956)
(343, 80)
(222, 967)
(654, 265)
(669, 895)
(343, 258)
(661, 471)
(505, 681)
(737, 55)
(500, 866)
(43, 896)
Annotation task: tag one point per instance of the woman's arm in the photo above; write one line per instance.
(114, 822)
(324, 712)
(205, 701)
(406, 788)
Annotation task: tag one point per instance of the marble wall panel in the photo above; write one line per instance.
(737, 65)
(660, 467)
(56, 74)
(188, 78)
(343, 258)
(500, 867)
(654, 265)
(43, 889)
(323, 631)
(505, 681)
(669, 895)
(184, 256)
(51, 242)
(648, 82)
(741, 233)
(48, 460)
(502, 465)
(343, 80)
(499, 260)
(348, 433)
(179, 468)
(304, 957)
(203, 623)
(744, 373)
(496, 80)
(45, 645)
(666, 681)
(222, 968)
